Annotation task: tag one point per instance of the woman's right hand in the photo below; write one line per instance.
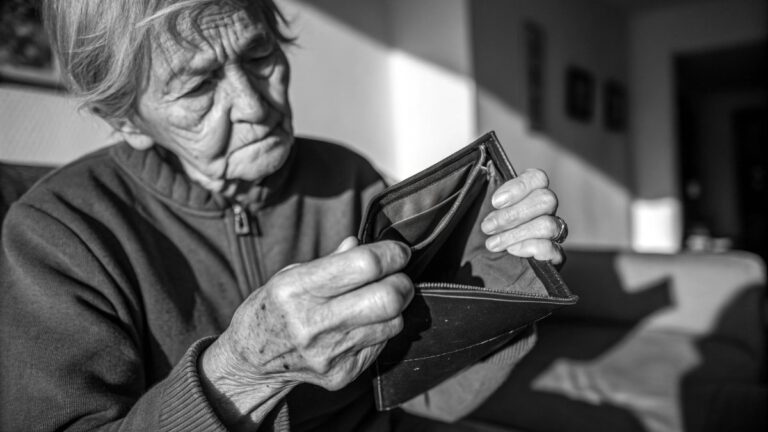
(322, 322)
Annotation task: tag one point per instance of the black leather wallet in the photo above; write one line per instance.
(469, 302)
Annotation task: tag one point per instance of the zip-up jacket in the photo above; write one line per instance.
(117, 271)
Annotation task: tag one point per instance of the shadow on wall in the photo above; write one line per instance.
(483, 43)
(585, 34)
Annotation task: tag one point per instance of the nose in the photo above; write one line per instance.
(248, 103)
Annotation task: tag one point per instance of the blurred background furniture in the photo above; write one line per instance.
(656, 343)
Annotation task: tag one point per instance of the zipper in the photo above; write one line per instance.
(455, 286)
(247, 230)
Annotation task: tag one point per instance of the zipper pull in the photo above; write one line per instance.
(242, 224)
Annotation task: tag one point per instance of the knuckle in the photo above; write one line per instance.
(508, 215)
(537, 178)
(389, 301)
(320, 365)
(551, 226)
(548, 199)
(302, 337)
(401, 280)
(283, 295)
(367, 262)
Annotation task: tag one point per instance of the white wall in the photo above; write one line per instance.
(432, 87)
(587, 164)
(40, 127)
(387, 77)
(655, 37)
(340, 86)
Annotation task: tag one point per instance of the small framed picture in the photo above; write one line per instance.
(579, 94)
(614, 106)
(25, 53)
(535, 56)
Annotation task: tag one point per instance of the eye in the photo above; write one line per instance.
(261, 59)
(201, 87)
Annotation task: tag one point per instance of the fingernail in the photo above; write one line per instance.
(492, 244)
(499, 200)
(488, 225)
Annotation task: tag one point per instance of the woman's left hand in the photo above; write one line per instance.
(524, 222)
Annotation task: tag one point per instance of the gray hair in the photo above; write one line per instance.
(104, 48)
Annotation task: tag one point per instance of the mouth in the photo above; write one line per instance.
(273, 134)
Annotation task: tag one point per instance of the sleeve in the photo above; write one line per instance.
(458, 396)
(71, 342)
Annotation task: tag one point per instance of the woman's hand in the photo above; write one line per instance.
(524, 222)
(322, 322)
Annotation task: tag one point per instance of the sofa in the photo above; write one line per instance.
(656, 343)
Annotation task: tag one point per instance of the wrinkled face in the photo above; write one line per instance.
(221, 106)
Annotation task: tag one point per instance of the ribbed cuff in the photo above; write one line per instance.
(518, 348)
(184, 405)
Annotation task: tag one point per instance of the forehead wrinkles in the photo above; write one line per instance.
(197, 40)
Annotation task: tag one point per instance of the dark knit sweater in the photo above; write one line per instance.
(117, 271)
(116, 268)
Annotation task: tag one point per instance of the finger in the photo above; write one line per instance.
(346, 244)
(542, 227)
(377, 302)
(288, 267)
(341, 272)
(541, 249)
(537, 203)
(371, 335)
(519, 187)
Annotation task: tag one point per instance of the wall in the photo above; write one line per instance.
(387, 77)
(340, 87)
(41, 127)
(432, 87)
(655, 37)
(587, 164)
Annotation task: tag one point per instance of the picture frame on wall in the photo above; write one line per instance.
(614, 106)
(579, 94)
(25, 53)
(535, 55)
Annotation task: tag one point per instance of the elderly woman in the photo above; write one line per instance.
(152, 285)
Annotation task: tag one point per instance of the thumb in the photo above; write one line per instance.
(346, 244)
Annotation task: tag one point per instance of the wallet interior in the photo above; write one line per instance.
(469, 301)
(439, 218)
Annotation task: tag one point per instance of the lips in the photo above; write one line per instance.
(260, 137)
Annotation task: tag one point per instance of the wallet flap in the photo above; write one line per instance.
(469, 302)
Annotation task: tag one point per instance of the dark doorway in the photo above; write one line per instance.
(722, 119)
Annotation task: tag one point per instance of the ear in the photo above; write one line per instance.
(132, 134)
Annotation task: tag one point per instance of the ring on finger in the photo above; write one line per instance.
(562, 230)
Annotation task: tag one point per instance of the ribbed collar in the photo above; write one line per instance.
(159, 171)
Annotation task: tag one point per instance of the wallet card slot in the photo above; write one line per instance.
(412, 230)
(421, 201)
(468, 192)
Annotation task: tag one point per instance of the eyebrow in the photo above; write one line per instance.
(197, 62)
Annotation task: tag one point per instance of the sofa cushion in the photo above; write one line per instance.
(657, 343)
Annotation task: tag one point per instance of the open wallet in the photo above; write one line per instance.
(469, 302)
